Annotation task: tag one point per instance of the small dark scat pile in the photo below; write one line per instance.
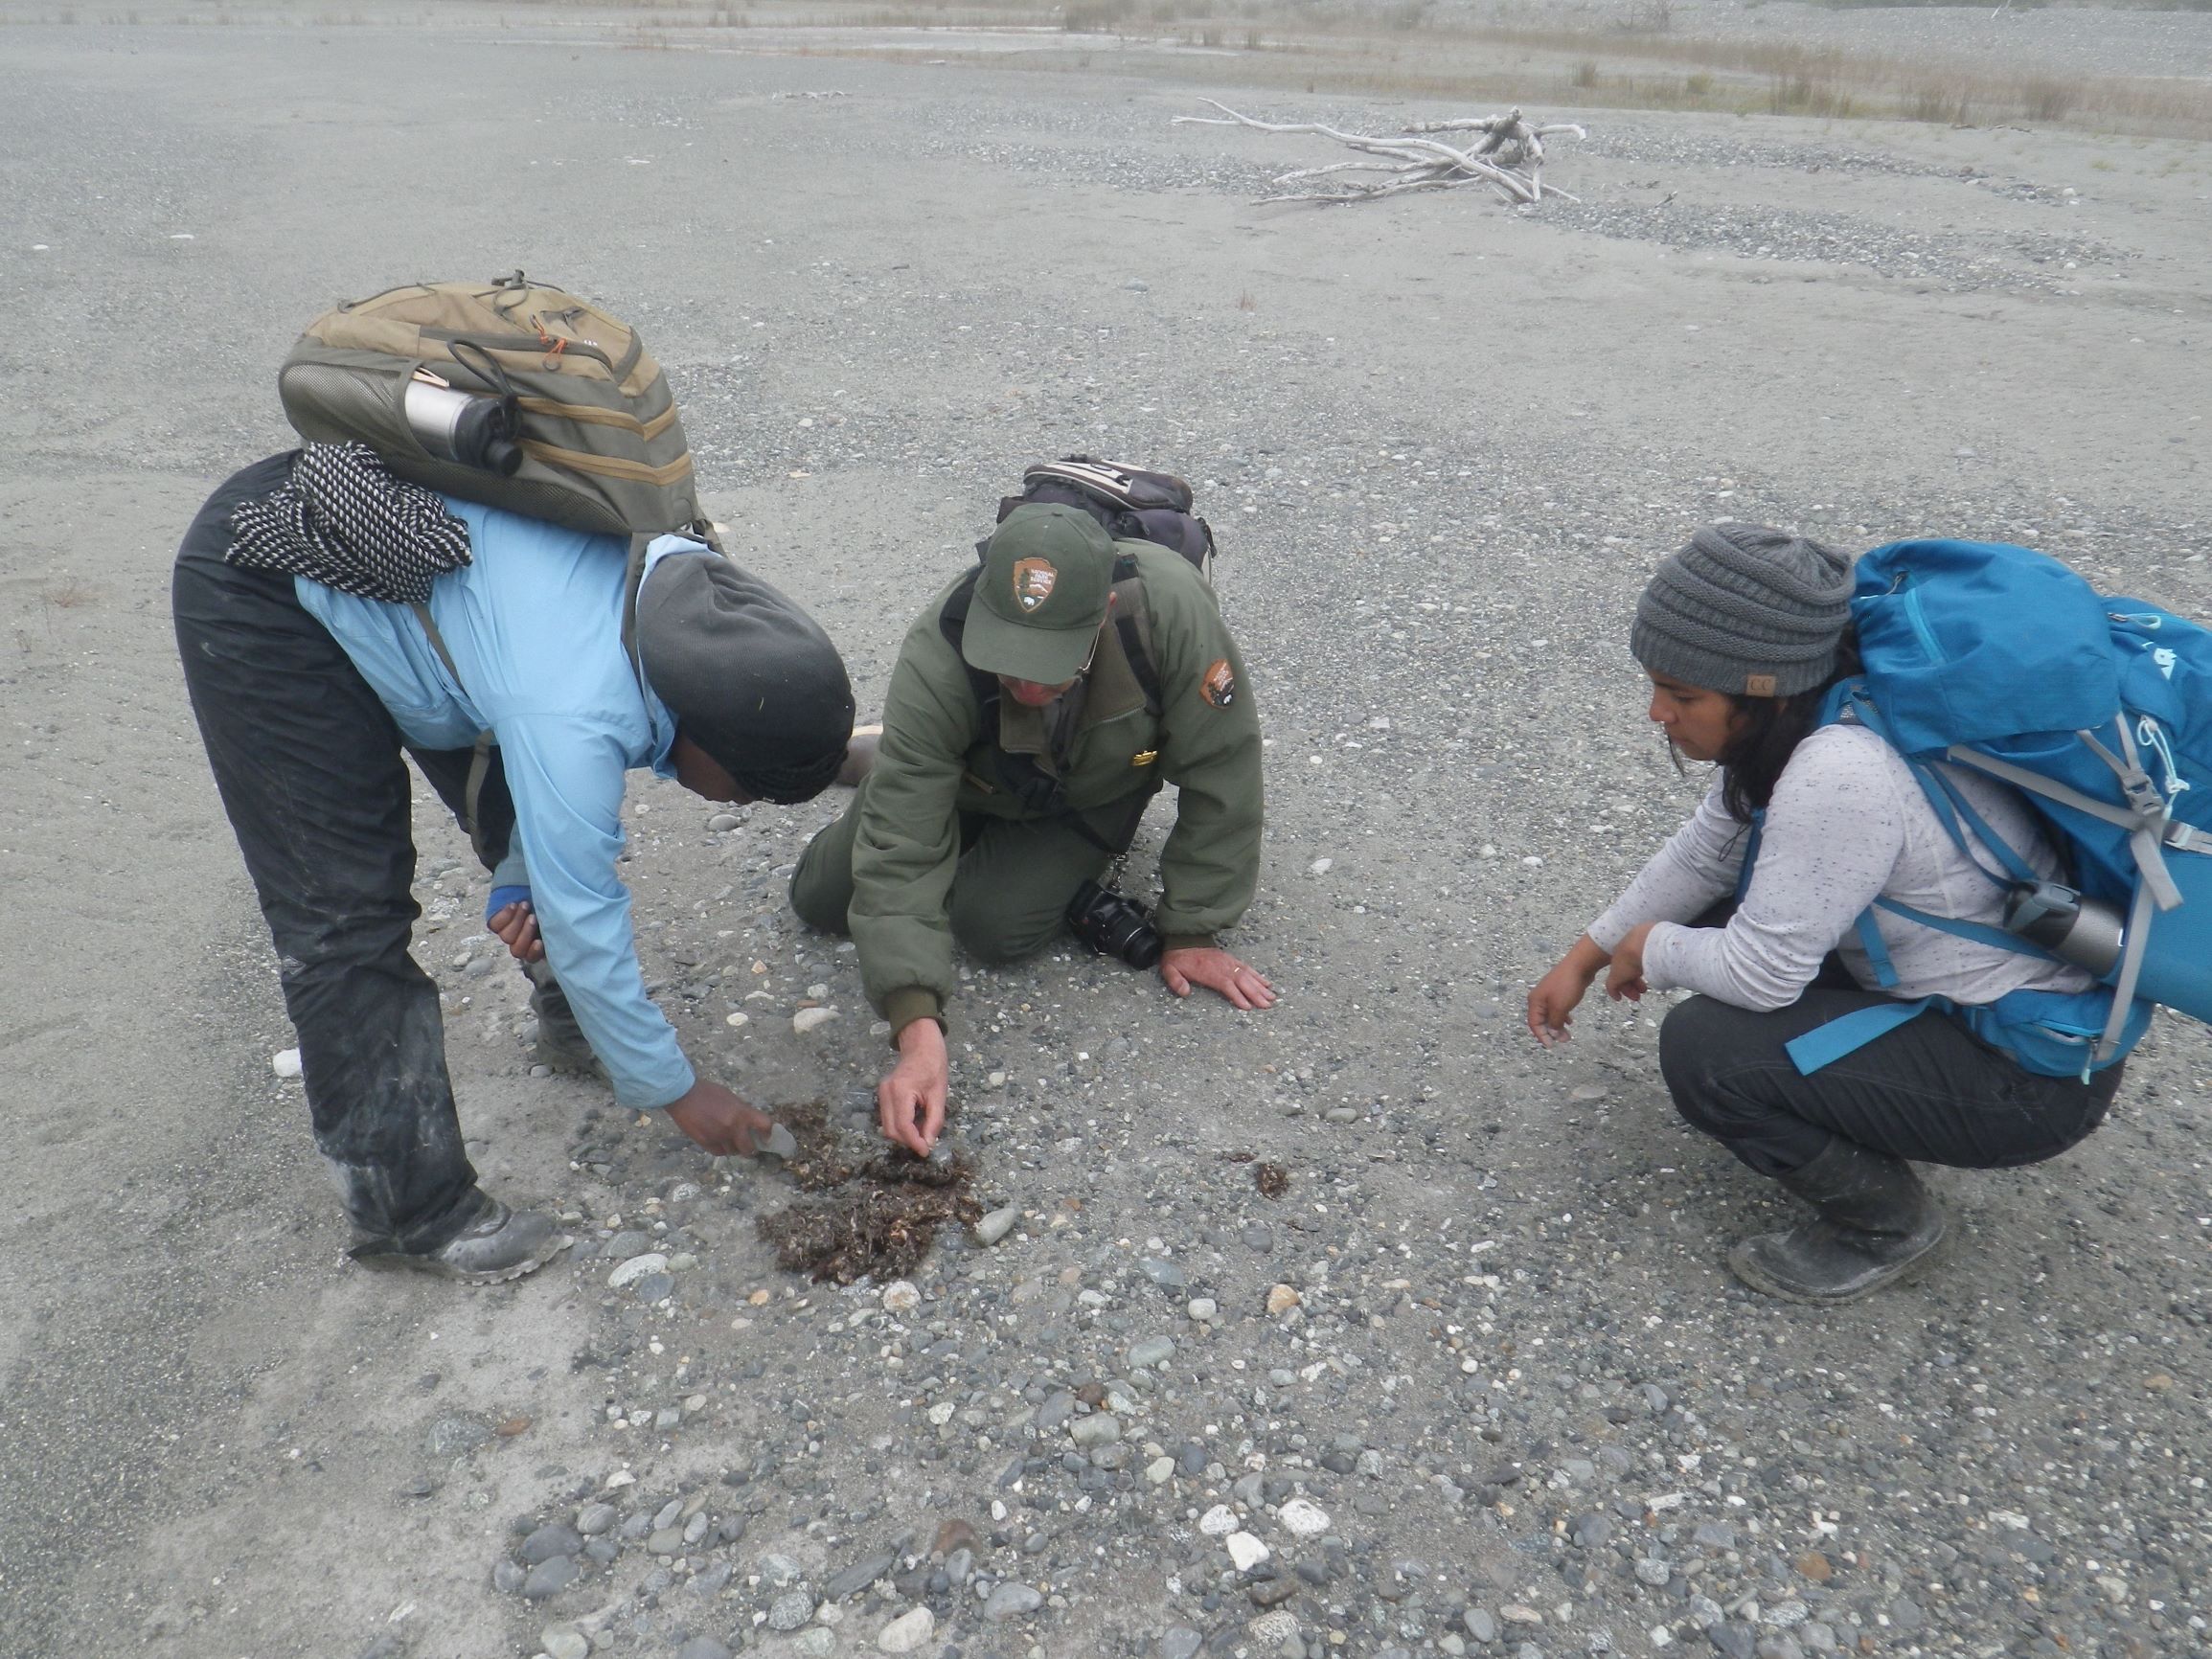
(874, 1219)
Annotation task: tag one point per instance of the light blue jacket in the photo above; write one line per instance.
(534, 625)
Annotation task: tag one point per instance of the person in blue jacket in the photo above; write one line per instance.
(308, 688)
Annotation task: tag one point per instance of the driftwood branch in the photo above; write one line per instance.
(1509, 159)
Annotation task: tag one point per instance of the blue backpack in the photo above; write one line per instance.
(2099, 710)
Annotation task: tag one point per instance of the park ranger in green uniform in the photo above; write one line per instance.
(1038, 705)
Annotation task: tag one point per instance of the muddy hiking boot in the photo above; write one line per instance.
(561, 1042)
(1876, 1222)
(498, 1245)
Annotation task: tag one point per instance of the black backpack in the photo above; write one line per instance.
(1133, 505)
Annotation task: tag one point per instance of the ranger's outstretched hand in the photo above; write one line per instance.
(1217, 970)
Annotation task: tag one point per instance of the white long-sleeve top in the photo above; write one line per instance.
(1848, 824)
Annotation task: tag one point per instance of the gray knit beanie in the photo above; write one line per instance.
(1746, 610)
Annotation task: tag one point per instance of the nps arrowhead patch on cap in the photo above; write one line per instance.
(1034, 579)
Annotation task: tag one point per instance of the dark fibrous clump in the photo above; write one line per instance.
(876, 1218)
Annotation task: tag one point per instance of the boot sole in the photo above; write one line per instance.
(434, 1268)
(1746, 1266)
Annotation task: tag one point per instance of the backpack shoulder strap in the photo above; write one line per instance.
(479, 760)
(952, 624)
(633, 580)
(1132, 627)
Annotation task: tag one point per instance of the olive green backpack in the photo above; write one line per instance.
(509, 392)
(558, 404)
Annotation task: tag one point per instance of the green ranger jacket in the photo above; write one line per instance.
(937, 761)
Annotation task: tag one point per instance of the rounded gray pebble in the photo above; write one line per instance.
(452, 1436)
(549, 1540)
(594, 1519)
(550, 1578)
(1011, 1600)
(1152, 1351)
(790, 1610)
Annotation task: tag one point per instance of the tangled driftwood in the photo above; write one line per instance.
(1510, 158)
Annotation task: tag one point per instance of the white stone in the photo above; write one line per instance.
(997, 1224)
(636, 1268)
(1320, 866)
(900, 1297)
(740, 1017)
(1305, 1518)
(809, 1019)
(909, 1632)
(1202, 1309)
(1217, 1520)
(285, 1063)
(1246, 1551)
(1160, 1470)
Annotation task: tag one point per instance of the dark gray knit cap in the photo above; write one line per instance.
(1746, 610)
(750, 677)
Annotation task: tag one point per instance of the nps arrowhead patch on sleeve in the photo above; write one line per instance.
(1218, 684)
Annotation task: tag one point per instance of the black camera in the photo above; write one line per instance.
(1113, 924)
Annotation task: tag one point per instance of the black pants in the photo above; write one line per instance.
(309, 764)
(1929, 1090)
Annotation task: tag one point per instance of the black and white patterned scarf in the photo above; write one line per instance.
(344, 520)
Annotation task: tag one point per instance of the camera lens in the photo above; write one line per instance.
(1113, 924)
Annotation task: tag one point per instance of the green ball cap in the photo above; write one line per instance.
(1047, 577)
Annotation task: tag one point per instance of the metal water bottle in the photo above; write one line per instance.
(463, 428)
(2072, 928)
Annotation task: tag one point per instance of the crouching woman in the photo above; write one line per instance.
(1742, 633)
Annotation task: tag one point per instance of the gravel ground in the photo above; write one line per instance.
(1473, 1381)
